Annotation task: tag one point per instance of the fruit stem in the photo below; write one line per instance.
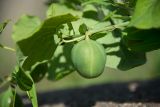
(87, 34)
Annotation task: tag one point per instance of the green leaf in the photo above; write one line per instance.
(142, 40)
(3, 25)
(130, 59)
(83, 29)
(66, 30)
(32, 94)
(38, 71)
(100, 26)
(61, 64)
(56, 9)
(22, 79)
(118, 56)
(146, 14)
(38, 44)
(25, 27)
(6, 98)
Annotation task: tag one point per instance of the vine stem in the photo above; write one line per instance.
(90, 33)
(7, 80)
(111, 27)
(72, 40)
(7, 48)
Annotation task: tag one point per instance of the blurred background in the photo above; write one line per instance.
(13, 9)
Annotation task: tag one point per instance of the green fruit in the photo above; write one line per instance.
(88, 58)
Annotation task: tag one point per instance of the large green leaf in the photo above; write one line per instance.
(147, 14)
(56, 9)
(118, 56)
(38, 44)
(22, 79)
(38, 71)
(61, 64)
(25, 27)
(142, 40)
(130, 59)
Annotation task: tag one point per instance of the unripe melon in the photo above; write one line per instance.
(88, 58)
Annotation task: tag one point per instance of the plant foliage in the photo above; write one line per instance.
(127, 29)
